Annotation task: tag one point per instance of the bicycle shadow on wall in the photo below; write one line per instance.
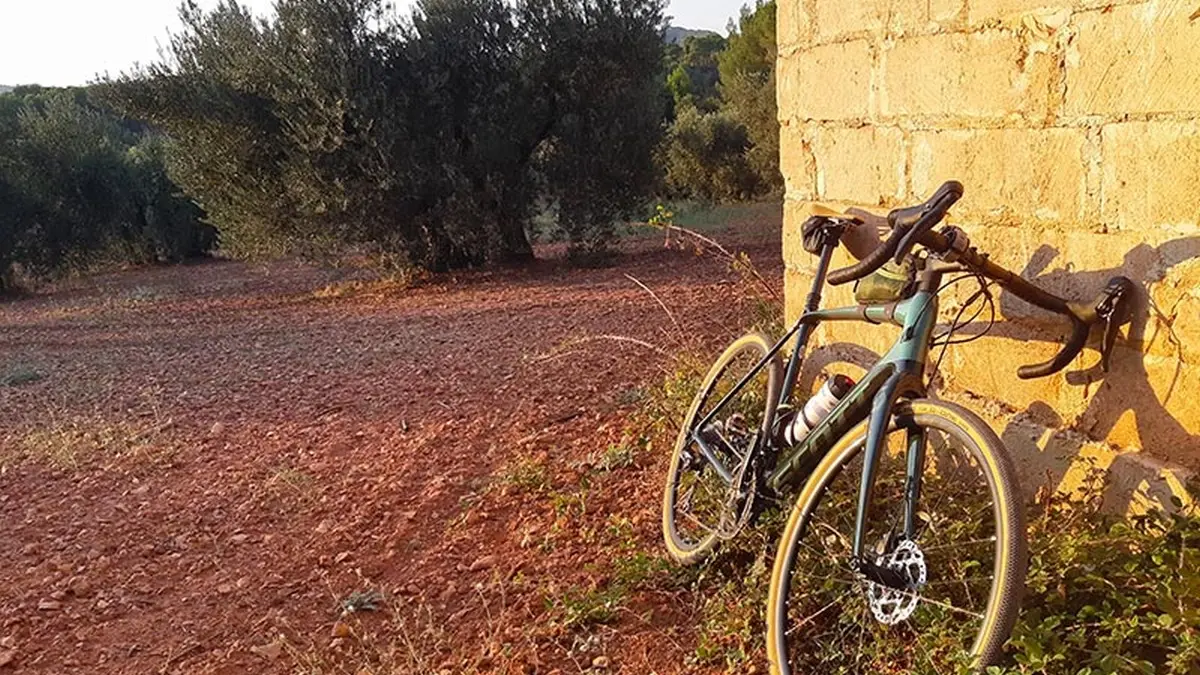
(1050, 451)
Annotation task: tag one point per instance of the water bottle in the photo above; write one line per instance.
(802, 422)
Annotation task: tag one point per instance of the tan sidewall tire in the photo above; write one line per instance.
(688, 556)
(1009, 586)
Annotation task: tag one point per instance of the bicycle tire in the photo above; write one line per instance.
(1010, 549)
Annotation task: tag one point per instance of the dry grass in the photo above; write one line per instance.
(68, 443)
(388, 285)
(408, 636)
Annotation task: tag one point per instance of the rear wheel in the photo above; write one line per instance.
(699, 507)
(963, 566)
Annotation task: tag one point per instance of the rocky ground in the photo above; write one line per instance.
(203, 467)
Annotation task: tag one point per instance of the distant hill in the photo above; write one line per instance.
(676, 35)
(5, 89)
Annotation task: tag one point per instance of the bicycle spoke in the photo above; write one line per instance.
(959, 544)
(956, 581)
(813, 617)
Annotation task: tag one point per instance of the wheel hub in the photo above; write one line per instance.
(892, 606)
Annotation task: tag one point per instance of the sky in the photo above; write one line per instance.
(71, 42)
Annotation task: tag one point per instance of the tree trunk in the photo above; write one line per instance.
(516, 247)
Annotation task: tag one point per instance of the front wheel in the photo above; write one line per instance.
(963, 560)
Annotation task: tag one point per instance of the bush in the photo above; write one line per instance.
(432, 138)
(704, 157)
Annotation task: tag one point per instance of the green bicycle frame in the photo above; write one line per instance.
(898, 374)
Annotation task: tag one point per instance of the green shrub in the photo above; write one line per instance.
(704, 156)
(1108, 594)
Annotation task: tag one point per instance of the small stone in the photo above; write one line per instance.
(600, 662)
(341, 629)
(336, 643)
(225, 589)
(79, 587)
(58, 595)
(9, 642)
(342, 557)
(7, 656)
(483, 563)
(239, 538)
(31, 549)
(270, 651)
(217, 429)
(49, 605)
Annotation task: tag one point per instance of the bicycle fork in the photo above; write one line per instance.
(903, 381)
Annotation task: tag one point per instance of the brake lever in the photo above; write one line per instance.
(1115, 309)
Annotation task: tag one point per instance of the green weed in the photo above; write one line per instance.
(1109, 594)
(578, 607)
(18, 374)
(525, 474)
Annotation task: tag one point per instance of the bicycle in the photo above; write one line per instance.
(904, 550)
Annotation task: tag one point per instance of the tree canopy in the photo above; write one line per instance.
(433, 136)
(723, 143)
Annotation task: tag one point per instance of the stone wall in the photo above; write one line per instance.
(1075, 127)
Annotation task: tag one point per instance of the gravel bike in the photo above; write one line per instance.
(905, 546)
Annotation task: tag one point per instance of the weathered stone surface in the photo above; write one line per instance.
(793, 26)
(1079, 146)
(944, 11)
(865, 164)
(1033, 174)
(1135, 59)
(980, 11)
(796, 162)
(830, 82)
(988, 74)
(838, 18)
(794, 215)
(1151, 173)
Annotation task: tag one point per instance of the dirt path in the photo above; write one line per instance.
(213, 457)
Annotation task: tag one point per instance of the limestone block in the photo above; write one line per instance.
(829, 82)
(793, 26)
(1141, 58)
(1031, 174)
(864, 165)
(988, 74)
(838, 18)
(1151, 173)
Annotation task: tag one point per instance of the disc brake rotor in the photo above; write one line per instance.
(889, 605)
